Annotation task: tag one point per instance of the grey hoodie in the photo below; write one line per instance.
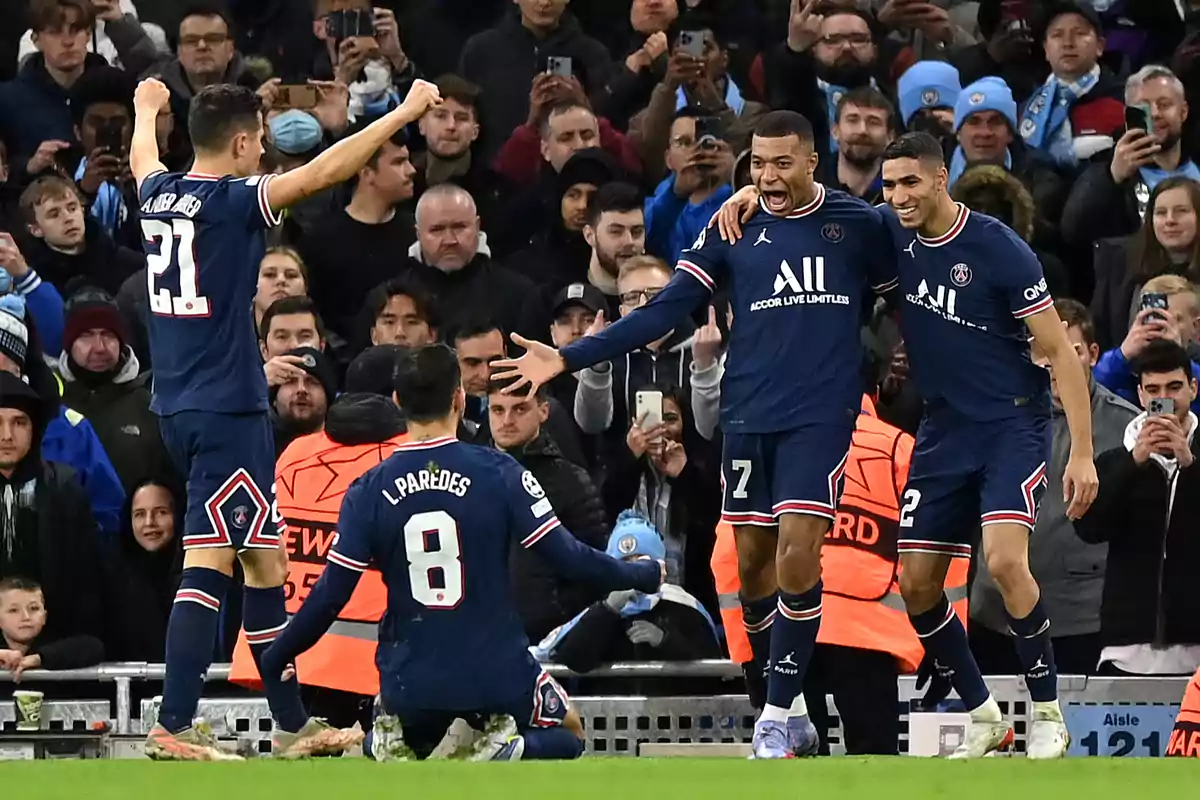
(1069, 571)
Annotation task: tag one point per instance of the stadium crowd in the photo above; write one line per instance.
(582, 145)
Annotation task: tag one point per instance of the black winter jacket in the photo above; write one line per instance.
(102, 263)
(544, 599)
(1150, 523)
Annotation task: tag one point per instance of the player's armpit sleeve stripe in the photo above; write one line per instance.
(264, 204)
(335, 557)
(696, 272)
(883, 288)
(1040, 305)
(542, 530)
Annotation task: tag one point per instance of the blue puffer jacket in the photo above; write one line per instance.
(673, 223)
(70, 439)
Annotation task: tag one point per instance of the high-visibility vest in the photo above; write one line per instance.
(311, 478)
(861, 604)
(1185, 739)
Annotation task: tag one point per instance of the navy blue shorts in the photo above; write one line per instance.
(229, 461)
(965, 474)
(766, 475)
(542, 705)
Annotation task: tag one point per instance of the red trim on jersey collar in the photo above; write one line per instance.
(427, 444)
(201, 176)
(960, 222)
(812, 206)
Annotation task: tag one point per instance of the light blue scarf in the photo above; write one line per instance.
(640, 604)
(733, 97)
(1046, 121)
(958, 164)
(1153, 176)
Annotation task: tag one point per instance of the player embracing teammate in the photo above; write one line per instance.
(972, 293)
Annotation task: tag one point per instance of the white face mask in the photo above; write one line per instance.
(376, 78)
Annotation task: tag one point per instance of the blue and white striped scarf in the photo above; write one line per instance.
(1046, 120)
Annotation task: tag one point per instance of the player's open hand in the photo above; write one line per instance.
(735, 212)
(1080, 485)
(151, 96)
(537, 365)
(421, 97)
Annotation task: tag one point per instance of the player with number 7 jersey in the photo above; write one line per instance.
(205, 233)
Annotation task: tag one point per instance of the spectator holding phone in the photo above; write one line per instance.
(1169, 309)
(1112, 196)
(102, 106)
(1148, 510)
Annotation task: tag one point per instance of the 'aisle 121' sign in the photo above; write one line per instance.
(1109, 729)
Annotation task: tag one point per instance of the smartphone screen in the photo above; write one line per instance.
(1137, 117)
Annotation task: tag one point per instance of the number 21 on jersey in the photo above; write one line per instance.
(175, 240)
(433, 547)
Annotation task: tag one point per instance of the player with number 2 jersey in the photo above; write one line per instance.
(439, 518)
(204, 237)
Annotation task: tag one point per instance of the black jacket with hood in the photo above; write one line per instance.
(48, 533)
(103, 263)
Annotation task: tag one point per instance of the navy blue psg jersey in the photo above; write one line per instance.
(799, 286)
(204, 238)
(965, 296)
(438, 519)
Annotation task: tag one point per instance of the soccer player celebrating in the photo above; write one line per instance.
(973, 293)
(205, 234)
(438, 519)
(799, 282)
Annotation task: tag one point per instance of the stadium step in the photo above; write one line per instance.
(693, 750)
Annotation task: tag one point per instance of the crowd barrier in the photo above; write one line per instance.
(1107, 716)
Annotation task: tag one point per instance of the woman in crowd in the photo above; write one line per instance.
(1165, 244)
(146, 567)
(281, 273)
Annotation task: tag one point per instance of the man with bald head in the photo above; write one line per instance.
(452, 260)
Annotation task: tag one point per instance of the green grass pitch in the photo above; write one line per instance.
(610, 779)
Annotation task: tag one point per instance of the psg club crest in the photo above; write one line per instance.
(960, 275)
(551, 703)
(240, 516)
(832, 232)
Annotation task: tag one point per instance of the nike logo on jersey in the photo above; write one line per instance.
(762, 239)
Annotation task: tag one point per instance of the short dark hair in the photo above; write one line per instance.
(381, 295)
(560, 107)
(101, 85)
(220, 112)
(780, 124)
(17, 583)
(615, 196)
(399, 139)
(1161, 356)
(206, 10)
(500, 384)
(692, 111)
(1076, 315)
(915, 144)
(460, 90)
(45, 15)
(868, 97)
(297, 304)
(426, 379)
(476, 328)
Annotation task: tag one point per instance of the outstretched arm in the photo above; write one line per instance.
(344, 159)
(573, 559)
(149, 100)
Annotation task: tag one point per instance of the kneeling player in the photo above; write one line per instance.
(437, 518)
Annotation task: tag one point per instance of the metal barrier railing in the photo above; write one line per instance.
(123, 674)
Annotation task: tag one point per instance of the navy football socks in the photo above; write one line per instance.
(1032, 638)
(191, 639)
(551, 744)
(945, 638)
(264, 616)
(758, 616)
(793, 636)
